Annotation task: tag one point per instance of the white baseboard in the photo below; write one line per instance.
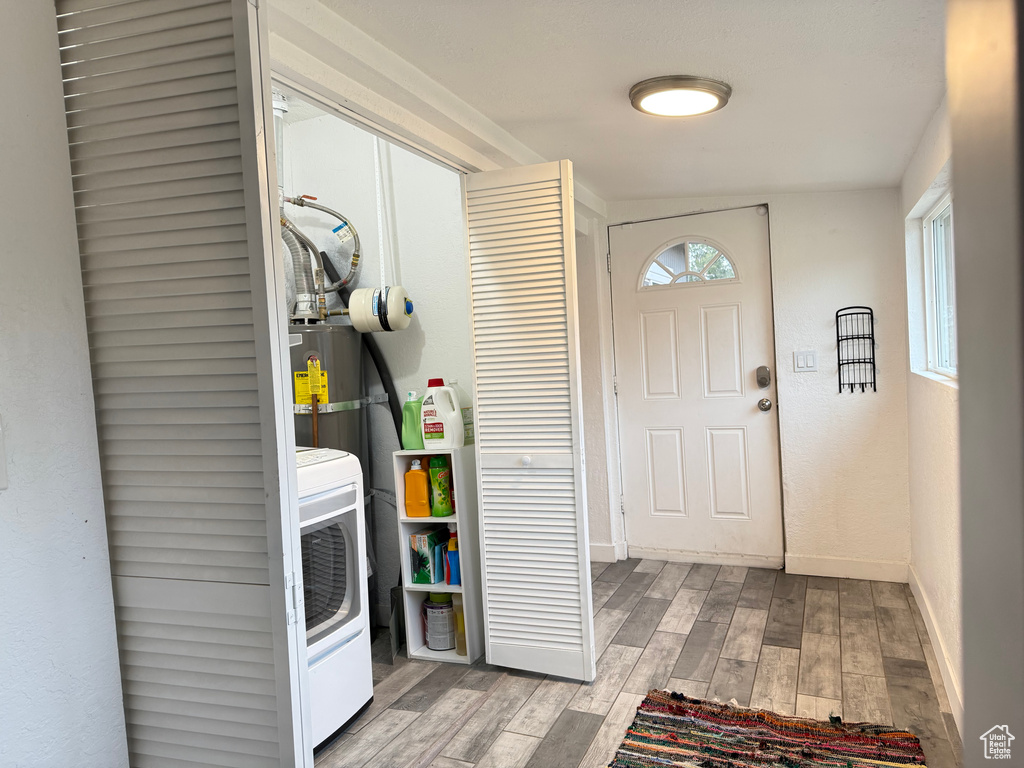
(847, 568)
(603, 553)
(713, 558)
(952, 684)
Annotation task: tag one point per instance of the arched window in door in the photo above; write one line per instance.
(693, 261)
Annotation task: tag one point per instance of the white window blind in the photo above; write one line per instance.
(535, 554)
(165, 127)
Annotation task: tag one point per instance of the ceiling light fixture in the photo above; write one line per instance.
(679, 95)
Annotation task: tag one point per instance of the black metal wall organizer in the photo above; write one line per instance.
(855, 346)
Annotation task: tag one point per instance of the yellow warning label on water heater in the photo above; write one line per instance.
(302, 393)
(313, 369)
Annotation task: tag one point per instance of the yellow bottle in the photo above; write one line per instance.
(417, 491)
(460, 626)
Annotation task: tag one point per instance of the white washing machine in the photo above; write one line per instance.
(334, 587)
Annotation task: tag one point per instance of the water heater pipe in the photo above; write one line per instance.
(304, 201)
(318, 274)
(280, 104)
(310, 245)
(305, 291)
(314, 412)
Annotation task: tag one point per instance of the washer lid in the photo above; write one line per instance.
(322, 468)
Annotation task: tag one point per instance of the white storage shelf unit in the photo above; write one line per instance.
(463, 465)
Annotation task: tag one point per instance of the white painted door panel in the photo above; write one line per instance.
(700, 460)
(535, 560)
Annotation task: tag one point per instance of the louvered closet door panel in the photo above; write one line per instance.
(163, 102)
(154, 271)
(535, 556)
(199, 684)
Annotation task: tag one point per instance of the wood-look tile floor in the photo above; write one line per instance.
(800, 645)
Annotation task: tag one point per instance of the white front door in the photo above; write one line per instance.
(693, 323)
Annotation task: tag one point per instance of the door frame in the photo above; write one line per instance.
(594, 237)
(775, 358)
(277, 423)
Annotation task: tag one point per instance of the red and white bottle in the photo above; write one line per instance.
(441, 418)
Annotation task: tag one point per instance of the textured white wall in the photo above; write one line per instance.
(61, 688)
(933, 410)
(844, 457)
(334, 161)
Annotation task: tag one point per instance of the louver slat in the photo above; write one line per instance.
(77, 14)
(182, 12)
(165, 139)
(533, 521)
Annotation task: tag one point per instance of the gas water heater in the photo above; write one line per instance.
(340, 419)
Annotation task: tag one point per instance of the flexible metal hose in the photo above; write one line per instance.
(318, 276)
(300, 263)
(287, 226)
(353, 268)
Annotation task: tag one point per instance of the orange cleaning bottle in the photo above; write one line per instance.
(417, 491)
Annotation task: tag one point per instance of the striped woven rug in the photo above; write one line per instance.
(671, 729)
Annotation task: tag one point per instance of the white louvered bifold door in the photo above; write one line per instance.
(533, 517)
(166, 114)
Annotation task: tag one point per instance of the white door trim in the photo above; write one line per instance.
(278, 424)
(597, 243)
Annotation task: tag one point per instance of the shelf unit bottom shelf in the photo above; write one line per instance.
(425, 654)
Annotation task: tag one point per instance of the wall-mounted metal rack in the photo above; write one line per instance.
(855, 348)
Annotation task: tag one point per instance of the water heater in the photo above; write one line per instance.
(341, 415)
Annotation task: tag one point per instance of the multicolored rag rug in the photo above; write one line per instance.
(671, 729)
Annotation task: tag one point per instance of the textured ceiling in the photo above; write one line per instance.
(827, 94)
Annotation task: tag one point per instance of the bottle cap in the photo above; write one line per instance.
(411, 395)
(416, 464)
(440, 597)
(435, 383)
(453, 529)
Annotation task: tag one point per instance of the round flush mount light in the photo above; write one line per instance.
(679, 95)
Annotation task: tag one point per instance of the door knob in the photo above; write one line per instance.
(764, 404)
(527, 461)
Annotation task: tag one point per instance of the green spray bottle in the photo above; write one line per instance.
(412, 433)
(441, 487)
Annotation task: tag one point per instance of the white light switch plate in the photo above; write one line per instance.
(805, 361)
